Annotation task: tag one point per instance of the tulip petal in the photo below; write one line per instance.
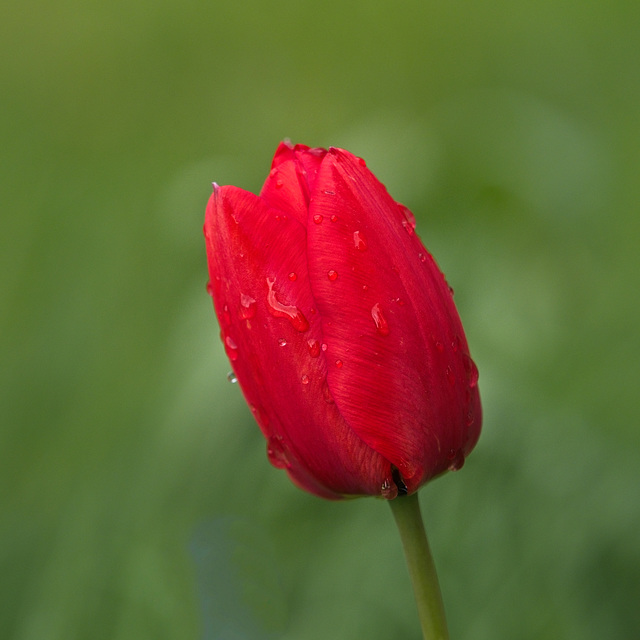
(254, 252)
(292, 174)
(396, 349)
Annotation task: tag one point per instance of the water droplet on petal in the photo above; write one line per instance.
(314, 348)
(282, 342)
(455, 344)
(324, 346)
(279, 184)
(470, 418)
(334, 217)
(450, 375)
(231, 377)
(359, 241)
(380, 321)
(388, 490)
(332, 275)
(339, 364)
(329, 193)
(423, 257)
(247, 307)
(326, 393)
(471, 369)
(438, 343)
(409, 222)
(277, 452)
(304, 379)
(210, 289)
(260, 416)
(456, 459)
(293, 276)
(361, 162)
(317, 218)
(231, 348)
(225, 316)
(279, 310)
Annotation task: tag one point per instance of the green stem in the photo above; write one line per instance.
(406, 511)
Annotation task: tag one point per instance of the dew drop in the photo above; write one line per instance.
(339, 364)
(277, 452)
(470, 418)
(437, 343)
(359, 242)
(471, 369)
(451, 378)
(259, 415)
(231, 377)
(225, 316)
(293, 276)
(382, 327)
(247, 307)
(334, 218)
(324, 346)
(456, 459)
(304, 379)
(423, 257)
(279, 184)
(388, 490)
(332, 275)
(455, 344)
(329, 193)
(314, 348)
(273, 172)
(409, 222)
(365, 287)
(279, 310)
(210, 289)
(317, 218)
(361, 162)
(326, 393)
(231, 348)
(282, 342)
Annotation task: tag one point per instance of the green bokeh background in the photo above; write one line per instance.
(136, 497)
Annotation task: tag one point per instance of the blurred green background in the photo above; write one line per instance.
(136, 497)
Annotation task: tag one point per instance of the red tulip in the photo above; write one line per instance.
(340, 328)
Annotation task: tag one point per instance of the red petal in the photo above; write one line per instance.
(252, 249)
(383, 317)
(293, 171)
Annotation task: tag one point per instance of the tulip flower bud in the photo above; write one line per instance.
(340, 328)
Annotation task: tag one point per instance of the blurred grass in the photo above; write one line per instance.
(512, 133)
